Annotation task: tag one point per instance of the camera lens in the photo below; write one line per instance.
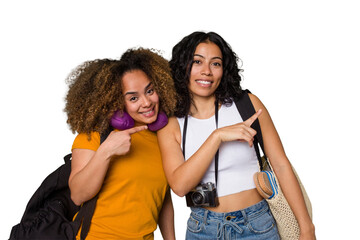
(197, 197)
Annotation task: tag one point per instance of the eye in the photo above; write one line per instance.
(150, 91)
(217, 64)
(133, 99)
(196, 61)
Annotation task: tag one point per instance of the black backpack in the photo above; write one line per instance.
(50, 211)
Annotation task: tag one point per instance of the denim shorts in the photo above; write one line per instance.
(254, 222)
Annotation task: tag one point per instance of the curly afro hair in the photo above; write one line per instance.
(181, 64)
(95, 90)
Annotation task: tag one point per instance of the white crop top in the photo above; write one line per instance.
(237, 161)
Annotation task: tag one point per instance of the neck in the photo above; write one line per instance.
(203, 108)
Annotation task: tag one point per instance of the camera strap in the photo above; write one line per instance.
(217, 152)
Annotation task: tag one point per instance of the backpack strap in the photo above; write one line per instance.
(86, 212)
(246, 110)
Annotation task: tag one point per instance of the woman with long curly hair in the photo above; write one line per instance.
(125, 170)
(207, 127)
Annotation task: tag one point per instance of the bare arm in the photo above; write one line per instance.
(88, 168)
(166, 218)
(183, 175)
(282, 167)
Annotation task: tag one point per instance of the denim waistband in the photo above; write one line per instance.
(235, 216)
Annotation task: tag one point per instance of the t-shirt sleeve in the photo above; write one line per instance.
(82, 141)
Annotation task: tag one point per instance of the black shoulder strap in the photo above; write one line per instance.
(217, 152)
(246, 110)
(86, 212)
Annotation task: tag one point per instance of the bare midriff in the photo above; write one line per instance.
(237, 201)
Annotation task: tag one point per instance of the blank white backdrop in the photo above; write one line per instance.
(301, 58)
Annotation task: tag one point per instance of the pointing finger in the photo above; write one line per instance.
(252, 119)
(136, 129)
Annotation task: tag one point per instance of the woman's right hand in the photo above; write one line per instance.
(241, 131)
(119, 142)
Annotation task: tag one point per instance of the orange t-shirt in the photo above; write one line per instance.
(133, 190)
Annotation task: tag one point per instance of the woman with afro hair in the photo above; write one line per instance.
(125, 170)
(208, 126)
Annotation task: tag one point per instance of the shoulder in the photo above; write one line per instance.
(173, 124)
(256, 102)
(264, 118)
(171, 127)
(84, 141)
(171, 130)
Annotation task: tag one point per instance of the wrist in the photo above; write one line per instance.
(104, 152)
(216, 135)
(307, 229)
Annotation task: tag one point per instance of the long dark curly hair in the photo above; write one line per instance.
(181, 64)
(95, 89)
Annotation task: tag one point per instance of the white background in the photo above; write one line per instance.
(301, 58)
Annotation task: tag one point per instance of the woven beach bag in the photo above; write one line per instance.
(285, 219)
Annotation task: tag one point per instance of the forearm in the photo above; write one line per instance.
(87, 182)
(166, 219)
(188, 175)
(293, 194)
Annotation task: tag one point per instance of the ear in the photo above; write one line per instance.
(121, 120)
(160, 122)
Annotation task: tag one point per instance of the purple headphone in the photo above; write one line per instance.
(121, 120)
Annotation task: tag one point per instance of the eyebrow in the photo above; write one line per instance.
(129, 93)
(199, 55)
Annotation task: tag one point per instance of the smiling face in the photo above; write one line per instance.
(206, 71)
(141, 100)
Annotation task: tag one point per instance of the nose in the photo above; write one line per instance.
(146, 102)
(206, 70)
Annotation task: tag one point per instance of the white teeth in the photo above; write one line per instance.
(204, 82)
(147, 112)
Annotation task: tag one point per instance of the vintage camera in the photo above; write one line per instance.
(204, 195)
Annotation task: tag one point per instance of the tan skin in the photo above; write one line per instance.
(183, 175)
(88, 168)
